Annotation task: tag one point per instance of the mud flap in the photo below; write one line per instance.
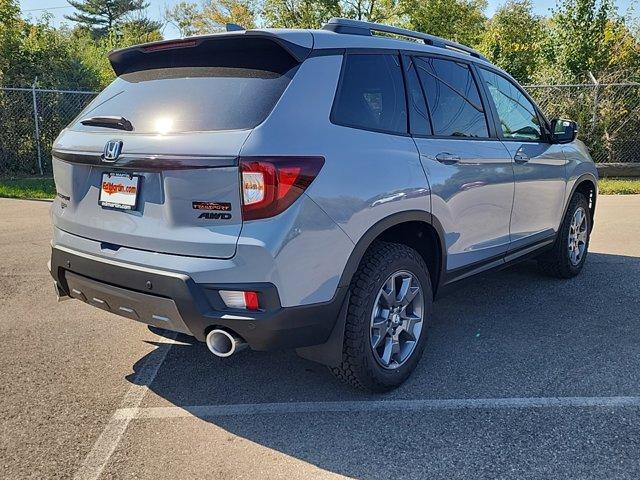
(330, 352)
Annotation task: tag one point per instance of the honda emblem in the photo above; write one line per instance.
(112, 150)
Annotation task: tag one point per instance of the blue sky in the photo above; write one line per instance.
(58, 8)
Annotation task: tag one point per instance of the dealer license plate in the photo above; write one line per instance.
(119, 190)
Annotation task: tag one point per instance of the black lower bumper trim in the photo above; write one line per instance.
(198, 305)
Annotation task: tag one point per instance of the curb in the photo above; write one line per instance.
(47, 200)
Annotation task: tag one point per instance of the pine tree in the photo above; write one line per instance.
(102, 17)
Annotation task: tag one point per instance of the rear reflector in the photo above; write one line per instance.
(251, 300)
(270, 185)
(240, 299)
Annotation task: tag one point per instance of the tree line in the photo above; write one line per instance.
(577, 38)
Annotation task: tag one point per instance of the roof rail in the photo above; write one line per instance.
(357, 27)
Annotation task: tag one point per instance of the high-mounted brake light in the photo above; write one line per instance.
(170, 45)
(270, 185)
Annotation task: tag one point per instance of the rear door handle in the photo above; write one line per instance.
(521, 157)
(447, 158)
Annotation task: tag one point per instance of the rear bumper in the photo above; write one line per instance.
(174, 301)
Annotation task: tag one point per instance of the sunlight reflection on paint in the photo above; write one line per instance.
(164, 125)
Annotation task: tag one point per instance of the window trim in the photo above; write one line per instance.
(488, 113)
(544, 123)
(345, 56)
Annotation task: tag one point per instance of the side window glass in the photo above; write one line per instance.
(518, 117)
(452, 98)
(418, 116)
(371, 94)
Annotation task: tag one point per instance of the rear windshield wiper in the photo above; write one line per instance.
(120, 123)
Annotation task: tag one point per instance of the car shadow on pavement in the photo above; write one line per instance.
(514, 333)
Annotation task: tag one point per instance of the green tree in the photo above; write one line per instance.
(10, 35)
(38, 50)
(370, 10)
(183, 16)
(589, 36)
(217, 13)
(460, 20)
(93, 53)
(212, 16)
(513, 39)
(35, 52)
(299, 13)
(102, 17)
(579, 34)
(623, 50)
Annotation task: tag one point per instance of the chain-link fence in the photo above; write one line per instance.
(31, 120)
(608, 115)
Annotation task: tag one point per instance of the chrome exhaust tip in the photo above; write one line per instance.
(224, 344)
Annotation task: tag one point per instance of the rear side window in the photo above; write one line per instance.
(187, 99)
(371, 94)
(418, 116)
(518, 117)
(452, 98)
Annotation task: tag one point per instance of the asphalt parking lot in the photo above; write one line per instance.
(523, 377)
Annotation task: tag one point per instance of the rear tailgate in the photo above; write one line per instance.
(176, 196)
(186, 112)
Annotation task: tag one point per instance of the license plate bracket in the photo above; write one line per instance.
(119, 190)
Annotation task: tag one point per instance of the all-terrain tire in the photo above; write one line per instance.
(359, 367)
(557, 261)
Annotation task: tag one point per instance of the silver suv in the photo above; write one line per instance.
(311, 189)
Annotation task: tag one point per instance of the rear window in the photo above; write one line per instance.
(188, 99)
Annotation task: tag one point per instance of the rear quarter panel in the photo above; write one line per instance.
(367, 175)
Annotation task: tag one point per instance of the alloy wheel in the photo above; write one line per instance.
(397, 319)
(578, 236)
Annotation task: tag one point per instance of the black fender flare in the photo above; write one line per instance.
(383, 225)
(585, 177)
(330, 352)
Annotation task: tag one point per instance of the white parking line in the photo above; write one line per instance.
(204, 411)
(110, 437)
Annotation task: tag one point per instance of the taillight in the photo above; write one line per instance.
(271, 184)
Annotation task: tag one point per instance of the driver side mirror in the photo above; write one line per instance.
(563, 131)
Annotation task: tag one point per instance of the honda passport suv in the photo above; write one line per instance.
(311, 190)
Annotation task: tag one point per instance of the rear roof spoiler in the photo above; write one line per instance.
(216, 49)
